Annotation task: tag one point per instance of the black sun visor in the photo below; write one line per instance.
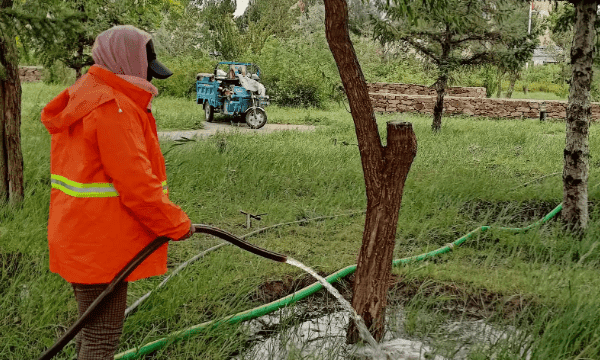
(156, 69)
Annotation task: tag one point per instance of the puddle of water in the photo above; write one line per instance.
(281, 335)
(372, 349)
(363, 332)
(322, 337)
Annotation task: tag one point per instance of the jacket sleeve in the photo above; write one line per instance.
(124, 156)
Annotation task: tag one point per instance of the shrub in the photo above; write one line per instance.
(183, 81)
(298, 72)
(58, 74)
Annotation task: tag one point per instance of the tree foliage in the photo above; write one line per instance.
(464, 33)
(73, 48)
(457, 33)
(264, 19)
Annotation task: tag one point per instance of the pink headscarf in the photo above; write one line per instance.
(122, 50)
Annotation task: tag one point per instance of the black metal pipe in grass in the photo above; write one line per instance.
(135, 262)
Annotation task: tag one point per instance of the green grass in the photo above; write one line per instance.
(170, 113)
(177, 114)
(468, 175)
(537, 95)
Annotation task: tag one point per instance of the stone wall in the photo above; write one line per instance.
(478, 106)
(412, 89)
(30, 73)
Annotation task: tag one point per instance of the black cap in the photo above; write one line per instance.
(156, 69)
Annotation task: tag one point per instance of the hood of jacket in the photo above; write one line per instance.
(95, 88)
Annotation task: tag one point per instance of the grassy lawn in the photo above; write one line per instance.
(535, 95)
(470, 174)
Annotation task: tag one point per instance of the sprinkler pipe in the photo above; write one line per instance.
(307, 291)
(135, 262)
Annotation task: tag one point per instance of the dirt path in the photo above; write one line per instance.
(213, 128)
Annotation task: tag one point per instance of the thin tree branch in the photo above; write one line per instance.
(477, 59)
(429, 52)
(478, 37)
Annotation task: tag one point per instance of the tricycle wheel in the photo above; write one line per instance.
(209, 112)
(256, 118)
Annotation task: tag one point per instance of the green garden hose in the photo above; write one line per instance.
(307, 291)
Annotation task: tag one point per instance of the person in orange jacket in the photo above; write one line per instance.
(109, 196)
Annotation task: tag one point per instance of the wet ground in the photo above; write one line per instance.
(315, 328)
(292, 333)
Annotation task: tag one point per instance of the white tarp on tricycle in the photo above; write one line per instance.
(252, 85)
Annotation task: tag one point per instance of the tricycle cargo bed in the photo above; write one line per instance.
(202, 76)
(234, 92)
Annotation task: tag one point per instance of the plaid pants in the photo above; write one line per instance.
(99, 339)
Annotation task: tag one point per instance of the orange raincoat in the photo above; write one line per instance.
(109, 196)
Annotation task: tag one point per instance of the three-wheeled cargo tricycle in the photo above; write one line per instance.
(233, 89)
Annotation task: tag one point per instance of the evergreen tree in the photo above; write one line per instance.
(453, 34)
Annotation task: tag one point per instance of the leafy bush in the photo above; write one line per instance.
(547, 78)
(549, 73)
(397, 66)
(490, 79)
(561, 90)
(183, 81)
(298, 72)
(58, 74)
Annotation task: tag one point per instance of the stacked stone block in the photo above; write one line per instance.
(390, 98)
(30, 73)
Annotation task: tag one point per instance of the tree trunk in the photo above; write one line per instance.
(438, 109)
(385, 170)
(80, 60)
(576, 154)
(513, 75)
(11, 157)
(374, 268)
(499, 92)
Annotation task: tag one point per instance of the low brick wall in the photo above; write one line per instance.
(477, 106)
(413, 89)
(30, 73)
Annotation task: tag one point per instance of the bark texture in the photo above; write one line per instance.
(11, 157)
(385, 170)
(442, 81)
(499, 75)
(513, 76)
(576, 153)
(438, 109)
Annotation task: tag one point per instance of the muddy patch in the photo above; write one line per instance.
(276, 289)
(459, 299)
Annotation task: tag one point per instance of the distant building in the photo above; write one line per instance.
(547, 52)
(547, 55)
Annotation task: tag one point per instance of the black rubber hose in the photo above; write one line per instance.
(137, 260)
(206, 229)
(128, 269)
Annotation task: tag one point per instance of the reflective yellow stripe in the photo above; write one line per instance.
(82, 190)
(76, 189)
